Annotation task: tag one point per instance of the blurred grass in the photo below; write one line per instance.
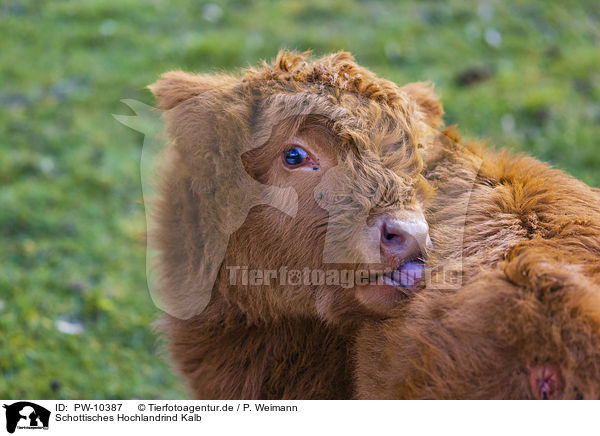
(527, 76)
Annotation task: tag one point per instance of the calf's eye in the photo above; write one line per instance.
(295, 156)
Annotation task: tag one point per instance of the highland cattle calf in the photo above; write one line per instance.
(290, 209)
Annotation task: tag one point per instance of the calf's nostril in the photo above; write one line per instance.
(391, 236)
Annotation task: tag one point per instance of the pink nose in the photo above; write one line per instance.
(404, 239)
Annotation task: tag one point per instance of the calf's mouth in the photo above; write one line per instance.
(407, 275)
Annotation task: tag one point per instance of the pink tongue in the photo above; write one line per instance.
(409, 274)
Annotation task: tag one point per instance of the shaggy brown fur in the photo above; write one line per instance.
(525, 323)
(278, 341)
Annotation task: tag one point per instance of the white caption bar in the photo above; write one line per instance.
(305, 418)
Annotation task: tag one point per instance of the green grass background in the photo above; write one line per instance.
(70, 195)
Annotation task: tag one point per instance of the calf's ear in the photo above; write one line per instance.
(428, 102)
(205, 192)
(200, 181)
(176, 87)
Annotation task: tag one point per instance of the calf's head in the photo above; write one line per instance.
(295, 187)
